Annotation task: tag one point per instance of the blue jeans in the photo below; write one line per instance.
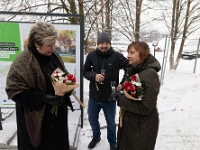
(109, 110)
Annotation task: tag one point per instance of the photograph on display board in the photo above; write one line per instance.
(66, 45)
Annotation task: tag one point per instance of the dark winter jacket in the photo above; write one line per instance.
(140, 121)
(27, 83)
(112, 61)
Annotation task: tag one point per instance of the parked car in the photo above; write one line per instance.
(190, 49)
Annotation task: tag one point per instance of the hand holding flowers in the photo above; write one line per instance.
(133, 90)
(63, 82)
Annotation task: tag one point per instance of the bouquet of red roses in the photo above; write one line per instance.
(63, 82)
(133, 90)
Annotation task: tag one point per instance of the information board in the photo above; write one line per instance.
(13, 40)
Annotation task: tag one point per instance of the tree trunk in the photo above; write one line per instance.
(174, 30)
(137, 21)
(183, 36)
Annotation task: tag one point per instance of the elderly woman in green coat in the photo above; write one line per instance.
(140, 119)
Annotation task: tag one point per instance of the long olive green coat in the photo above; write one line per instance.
(140, 121)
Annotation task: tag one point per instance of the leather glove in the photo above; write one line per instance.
(69, 93)
(69, 103)
(53, 99)
(114, 96)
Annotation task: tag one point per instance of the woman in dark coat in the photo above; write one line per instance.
(29, 85)
(140, 121)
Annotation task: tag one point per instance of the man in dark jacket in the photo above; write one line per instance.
(104, 57)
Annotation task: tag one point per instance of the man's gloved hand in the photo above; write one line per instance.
(53, 99)
(114, 96)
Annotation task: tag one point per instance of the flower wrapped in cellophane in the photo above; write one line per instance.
(63, 82)
(133, 90)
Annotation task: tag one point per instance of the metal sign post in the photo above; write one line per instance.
(1, 128)
(197, 55)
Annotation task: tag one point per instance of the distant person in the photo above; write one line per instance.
(140, 119)
(104, 58)
(28, 84)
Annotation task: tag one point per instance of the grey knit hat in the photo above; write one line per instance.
(104, 37)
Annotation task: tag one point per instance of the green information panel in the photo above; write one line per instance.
(10, 45)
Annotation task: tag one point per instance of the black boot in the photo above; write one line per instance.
(93, 143)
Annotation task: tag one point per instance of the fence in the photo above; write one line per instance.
(189, 56)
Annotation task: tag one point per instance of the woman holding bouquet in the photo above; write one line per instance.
(29, 85)
(140, 116)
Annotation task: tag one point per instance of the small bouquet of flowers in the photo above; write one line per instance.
(63, 82)
(133, 90)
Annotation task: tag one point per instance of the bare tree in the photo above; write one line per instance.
(124, 19)
(128, 19)
(137, 20)
(114, 16)
(108, 12)
(184, 20)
